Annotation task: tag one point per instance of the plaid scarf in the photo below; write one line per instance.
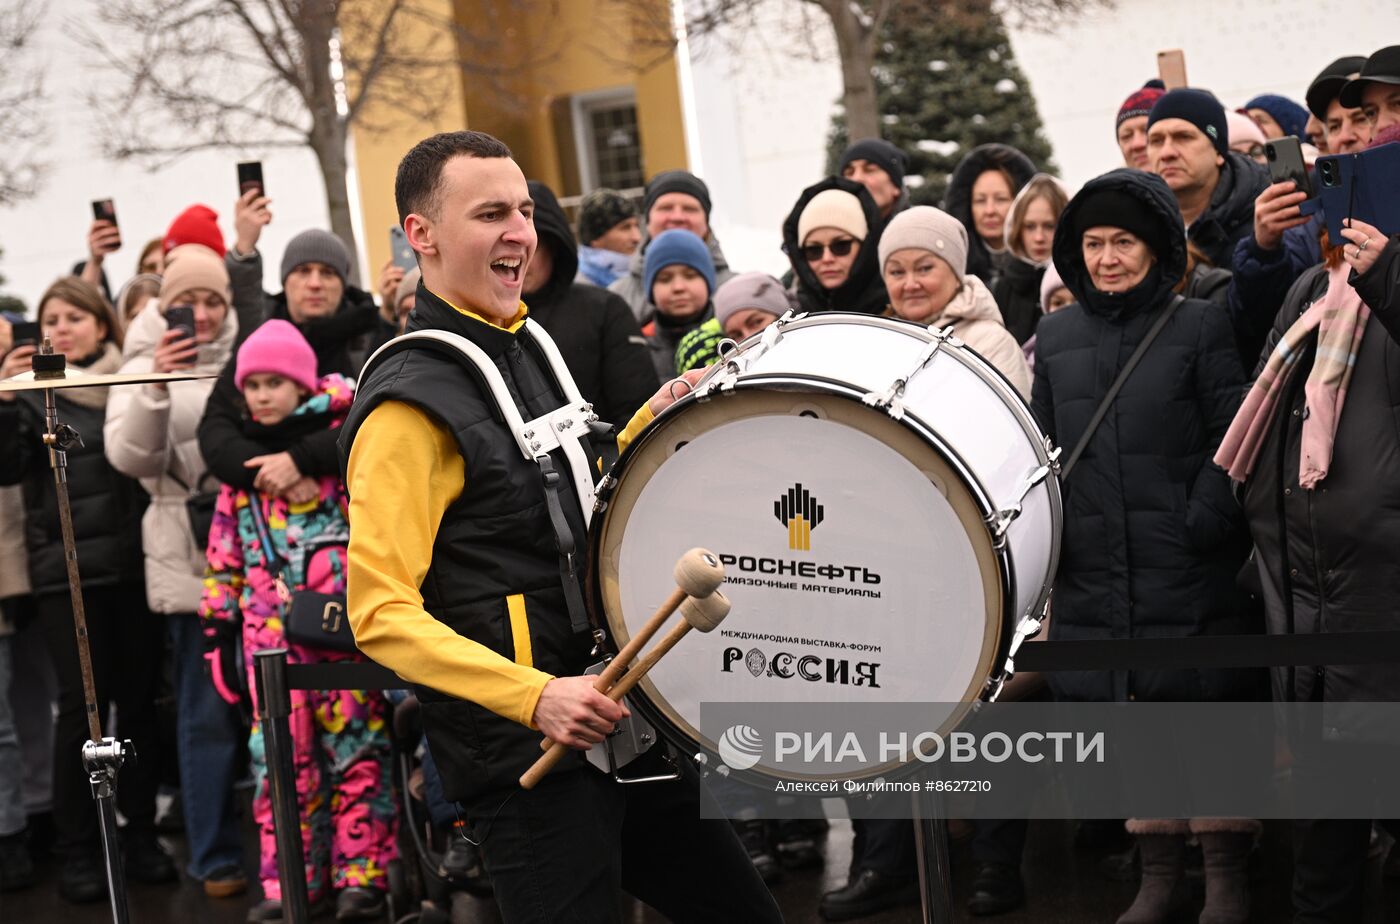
(1339, 318)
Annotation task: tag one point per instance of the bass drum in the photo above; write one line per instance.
(886, 509)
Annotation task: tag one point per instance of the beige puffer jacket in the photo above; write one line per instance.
(976, 321)
(150, 434)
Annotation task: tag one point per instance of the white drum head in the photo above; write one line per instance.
(857, 559)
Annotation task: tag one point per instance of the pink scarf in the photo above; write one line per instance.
(1339, 317)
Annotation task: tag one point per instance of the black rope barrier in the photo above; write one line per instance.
(1207, 651)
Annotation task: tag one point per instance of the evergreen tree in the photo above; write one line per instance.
(946, 83)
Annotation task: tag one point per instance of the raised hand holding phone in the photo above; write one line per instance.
(250, 215)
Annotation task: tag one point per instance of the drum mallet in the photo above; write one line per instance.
(702, 613)
(698, 573)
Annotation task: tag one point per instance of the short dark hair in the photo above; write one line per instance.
(420, 171)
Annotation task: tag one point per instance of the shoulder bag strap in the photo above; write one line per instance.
(275, 562)
(1117, 385)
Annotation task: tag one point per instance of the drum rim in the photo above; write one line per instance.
(973, 361)
(655, 714)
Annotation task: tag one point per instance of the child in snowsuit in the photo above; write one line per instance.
(342, 753)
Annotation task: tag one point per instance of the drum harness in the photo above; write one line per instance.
(565, 429)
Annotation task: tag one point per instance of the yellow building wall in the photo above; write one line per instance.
(518, 89)
(377, 153)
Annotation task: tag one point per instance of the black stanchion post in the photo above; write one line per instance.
(931, 841)
(275, 706)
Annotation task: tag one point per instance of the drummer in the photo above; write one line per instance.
(453, 587)
(923, 256)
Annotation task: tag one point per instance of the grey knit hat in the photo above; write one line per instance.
(408, 285)
(924, 227)
(750, 290)
(316, 246)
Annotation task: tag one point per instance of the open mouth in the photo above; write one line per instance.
(507, 269)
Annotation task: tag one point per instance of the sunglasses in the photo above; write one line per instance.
(839, 248)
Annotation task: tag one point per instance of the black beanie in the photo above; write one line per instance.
(1200, 108)
(676, 181)
(1115, 208)
(880, 153)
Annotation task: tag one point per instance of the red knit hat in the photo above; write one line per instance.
(1139, 104)
(198, 224)
(277, 347)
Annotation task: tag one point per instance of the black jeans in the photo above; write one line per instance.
(564, 851)
(885, 845)
(127, 642)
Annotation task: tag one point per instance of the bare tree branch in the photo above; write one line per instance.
(23, 163)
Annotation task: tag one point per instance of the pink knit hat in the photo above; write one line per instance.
(277, 347)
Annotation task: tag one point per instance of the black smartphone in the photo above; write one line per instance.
(399, 248)
(1285, 158)
(26, 333)
(104, 210)
(250, 176)
(181, 318)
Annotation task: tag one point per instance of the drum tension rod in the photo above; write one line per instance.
(889, 399)
(1001, 520)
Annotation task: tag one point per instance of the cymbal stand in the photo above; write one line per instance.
(102, 757)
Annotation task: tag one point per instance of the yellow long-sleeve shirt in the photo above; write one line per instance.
(404, 471)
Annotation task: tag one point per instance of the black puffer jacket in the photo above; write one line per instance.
(1153, 537)
(1229, 218)
(594, 329)
(1017, 293)
(958, 199)
(221, 439)
(1328, 556)
(107, 505)
(864, 290)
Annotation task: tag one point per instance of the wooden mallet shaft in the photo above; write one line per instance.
(704, 614)
(698, 573)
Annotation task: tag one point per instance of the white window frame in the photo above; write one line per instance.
(581, 106)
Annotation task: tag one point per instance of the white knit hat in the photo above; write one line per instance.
(924, 227)
(833, 208)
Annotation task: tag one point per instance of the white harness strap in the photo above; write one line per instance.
(561, 428)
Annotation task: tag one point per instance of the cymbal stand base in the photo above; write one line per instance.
(102, 761)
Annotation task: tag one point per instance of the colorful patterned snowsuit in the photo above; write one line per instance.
(341, 743)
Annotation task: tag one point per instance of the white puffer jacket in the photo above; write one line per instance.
(150, 434)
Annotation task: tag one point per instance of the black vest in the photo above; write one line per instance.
(495, 541)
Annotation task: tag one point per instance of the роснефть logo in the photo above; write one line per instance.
(801, 514)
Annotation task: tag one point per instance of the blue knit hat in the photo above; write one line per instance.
(1291, 117)
(678, 246)
(1200, 108)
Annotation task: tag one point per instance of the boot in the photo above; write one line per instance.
(757, 837)
(1225, 846)
(1162, 893)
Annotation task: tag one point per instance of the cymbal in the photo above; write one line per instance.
(74, 378)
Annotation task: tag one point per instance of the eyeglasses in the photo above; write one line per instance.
(839, 248)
